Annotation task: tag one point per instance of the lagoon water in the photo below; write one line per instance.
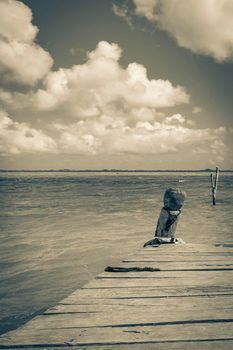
(58, 230)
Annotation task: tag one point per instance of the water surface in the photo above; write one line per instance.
(58, 230)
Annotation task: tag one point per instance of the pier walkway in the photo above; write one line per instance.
(187, 305)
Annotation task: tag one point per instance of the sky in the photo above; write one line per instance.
(116, 84)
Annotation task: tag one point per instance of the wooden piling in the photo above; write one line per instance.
(214, 184)
(169, 215)
(188, 304)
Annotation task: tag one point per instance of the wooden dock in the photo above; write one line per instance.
(187, 305)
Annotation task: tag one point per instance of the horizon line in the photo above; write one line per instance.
(115, 170)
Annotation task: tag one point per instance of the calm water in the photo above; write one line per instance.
(58, 230)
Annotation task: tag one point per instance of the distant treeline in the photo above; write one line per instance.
(111, 171)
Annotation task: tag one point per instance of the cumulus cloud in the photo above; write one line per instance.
(16, 138)
(21, 59)
(98, 107)
(102, 86)
(106, 135)
(108, 109)
(204, 27)
(109, 136)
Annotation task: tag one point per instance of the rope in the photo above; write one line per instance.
(172, 218)
(155, 242)
(129, 269)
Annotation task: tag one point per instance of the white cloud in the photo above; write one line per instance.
(106, 135)
(16, 21)
(123, 12)
(102, 86)
(176, 118)
(196, 110)
(199, 151)
(221, 130)
(215, 149)
(218, 147)
(146, 8)
(204, 26)
(16, 138)
(191, 122)
(21, 59)
(102, 108)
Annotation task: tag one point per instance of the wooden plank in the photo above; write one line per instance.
(137, 316)
(171, 275)
(184, 248)
(194, 246)
(185, 266)
(202, 303)
(152, 292)
(157, 253)
(178, 345)
(179, 258)
(128, 304)
(167, 333)
(187, 305)
(203, 281)
(137, 301)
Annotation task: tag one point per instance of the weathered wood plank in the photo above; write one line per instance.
(152, 292)
(146, 301)
(185, 266)
(184, 248)
(177, 345)
(193, 247)
(206, 278)
(203, 331)
(139, 317)
(199, 303)
(171, 275)
(204, 255)
(179, 258)
(146, 283)
(187, 305)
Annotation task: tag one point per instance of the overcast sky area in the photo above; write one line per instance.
(137, 84)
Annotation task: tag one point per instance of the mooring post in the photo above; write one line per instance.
(169, 215)
(214, 185)
(168, 218)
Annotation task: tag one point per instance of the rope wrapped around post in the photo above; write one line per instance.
(169, 216)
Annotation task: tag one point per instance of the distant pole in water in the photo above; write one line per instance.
(214, 184)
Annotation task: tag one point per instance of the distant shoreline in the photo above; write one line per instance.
(110, 171)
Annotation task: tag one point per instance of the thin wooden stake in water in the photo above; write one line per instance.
(214, 184)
